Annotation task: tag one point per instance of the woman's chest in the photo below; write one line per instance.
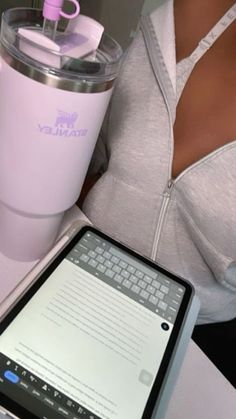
(205, 117)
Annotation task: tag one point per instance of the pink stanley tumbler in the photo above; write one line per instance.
(52, 105)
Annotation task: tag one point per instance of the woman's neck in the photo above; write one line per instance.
(194, 19)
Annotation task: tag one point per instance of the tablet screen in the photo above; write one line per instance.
(91, 342)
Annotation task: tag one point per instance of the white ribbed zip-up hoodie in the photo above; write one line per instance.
(187, 224)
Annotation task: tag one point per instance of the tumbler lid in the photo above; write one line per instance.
(97, 67)
(80, 40)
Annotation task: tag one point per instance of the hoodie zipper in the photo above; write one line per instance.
(166, 199)
(167, 191)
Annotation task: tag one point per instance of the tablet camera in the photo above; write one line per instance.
(165, 326)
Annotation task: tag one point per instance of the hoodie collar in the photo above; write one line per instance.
(162, 19)
(159, 35)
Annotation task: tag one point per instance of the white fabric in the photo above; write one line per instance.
(163, 17)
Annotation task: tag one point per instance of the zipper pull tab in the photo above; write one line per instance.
(168, 188)
(170, 183)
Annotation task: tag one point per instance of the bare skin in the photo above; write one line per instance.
(206, 112)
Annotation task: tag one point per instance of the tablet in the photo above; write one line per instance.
(99, 335)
